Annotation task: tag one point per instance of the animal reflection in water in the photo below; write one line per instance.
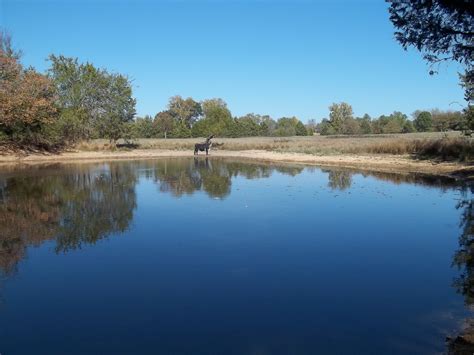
(206, 146)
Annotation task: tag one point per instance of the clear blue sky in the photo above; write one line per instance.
(281, 58)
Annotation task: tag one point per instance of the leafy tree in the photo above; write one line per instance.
(181, 130)
(301, 129)
(185, 111)
(311, 126)
(94, 103)
(267, 126)
(217, 119)
(408, 127)
(338, 114)
(164, 123)
(441, 30)
(365, 124)
(286, 126)
(144, 127)
(247, 126)
(326, 128)
(118, 107)
(27, 101)
(423, 122)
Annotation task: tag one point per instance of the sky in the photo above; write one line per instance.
(282, 58)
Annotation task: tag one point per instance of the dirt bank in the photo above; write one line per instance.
(384, 163)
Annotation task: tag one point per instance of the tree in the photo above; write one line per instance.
(164, 123)
(311, 126)
(144, 127)
(365, 124)
(338, 114)
(247, 126)
(446, 120)
(186, 111)
(27, 101)
(408, 127)
(267, 126)
(301, 129)
(286, 126)
(442, 30)
(93, 102)
(78, 86)
(423, 122)
(118, 107)
(217, 119)
(326, 128)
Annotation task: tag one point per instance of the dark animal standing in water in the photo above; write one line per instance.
(203, 146)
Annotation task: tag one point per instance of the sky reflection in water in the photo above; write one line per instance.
(189, 256)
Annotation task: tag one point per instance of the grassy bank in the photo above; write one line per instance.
(451, 146)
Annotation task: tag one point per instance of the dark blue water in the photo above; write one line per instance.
(223, 257)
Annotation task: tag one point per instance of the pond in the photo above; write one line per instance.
(211, 256)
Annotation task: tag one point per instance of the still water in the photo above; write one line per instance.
(197, 256)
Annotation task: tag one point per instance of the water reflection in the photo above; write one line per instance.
(74, 209)
(72, 206)
(81, 204)
(463, 260)
(181, 176)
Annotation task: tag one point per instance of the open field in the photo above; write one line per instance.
(433, 145)
(429, 153)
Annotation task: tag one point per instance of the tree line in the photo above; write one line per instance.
(76, 101)
(342, 121)
(186, 118)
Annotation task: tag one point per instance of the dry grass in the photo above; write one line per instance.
(445, 146)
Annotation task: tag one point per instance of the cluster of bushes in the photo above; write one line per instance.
(342, 121)
(72, 102)
(188, 118)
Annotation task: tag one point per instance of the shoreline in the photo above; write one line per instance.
(401, 164)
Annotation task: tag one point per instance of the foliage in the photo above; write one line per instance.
(440, 29)
(423, 121)
(338, 115)
(27, 101)
(217, 119)
(93, 102)
(408, 127)
(164, 123)
(185, 111)
(365, 124)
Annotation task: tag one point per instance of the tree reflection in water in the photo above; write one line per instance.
(463, 260)
(213, 176)
(74, 209)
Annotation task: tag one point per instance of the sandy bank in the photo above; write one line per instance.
(384, 163)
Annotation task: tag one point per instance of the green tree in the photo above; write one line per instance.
(118, 107)
(365, 124)
(408, 127)
(326, 128)
(286, 127)
(301, 129)
(144, 127)
(93, 102)
(185, 111)
(423, 121)
(338, 114)
(247, 126)
(217, 119)
(164, 123)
